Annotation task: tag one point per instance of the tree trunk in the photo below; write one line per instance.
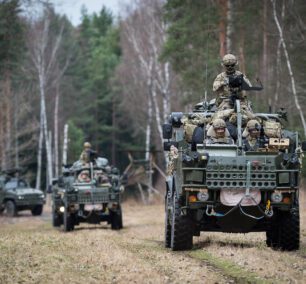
(222, 27)
(56, 154)
(229, 27)
(265, 50)
(39, 152)
(65, 145)
(296, 99)
(114, 124)
(45, 126)
(148, 129)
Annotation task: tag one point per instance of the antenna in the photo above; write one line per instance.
(206, 71)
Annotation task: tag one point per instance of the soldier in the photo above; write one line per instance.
(85, 155)
(221, 84)
(217, 133)
(251, 135)
(84, 176)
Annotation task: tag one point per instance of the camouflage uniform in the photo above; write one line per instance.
(250, 135)
(217, 133)
(221, 83)
(173, 155)
(84, 157)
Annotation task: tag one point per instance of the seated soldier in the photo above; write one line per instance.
(84, 176)
(251, 135)
(217, 133)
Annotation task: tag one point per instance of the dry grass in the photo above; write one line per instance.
(31, 251)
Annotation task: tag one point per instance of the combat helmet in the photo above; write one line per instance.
(229, 61)
(219, 127)
(87, 145)
(252, 129)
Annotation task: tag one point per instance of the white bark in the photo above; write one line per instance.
(148, 129)
(296, 99)
(39, 154)
(65, 146)
(56, 154)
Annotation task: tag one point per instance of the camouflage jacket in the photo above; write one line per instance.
(222, 90)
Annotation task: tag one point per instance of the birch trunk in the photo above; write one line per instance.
(39, 154)
(56, 154)
(148, 129)
(65, 146)
(296, 99)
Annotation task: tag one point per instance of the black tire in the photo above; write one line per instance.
(167, 223)
(181, 228)
(272, 234)
(11, 209)
(284, 232)
(116, 219)
(68, 221)
(37, 210)
(56, 219)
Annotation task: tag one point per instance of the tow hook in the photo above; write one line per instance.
(269, 209)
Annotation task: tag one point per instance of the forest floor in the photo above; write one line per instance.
(31, 251)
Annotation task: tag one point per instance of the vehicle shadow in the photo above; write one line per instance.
(234, 244)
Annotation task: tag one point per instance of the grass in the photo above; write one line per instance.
(228, 268)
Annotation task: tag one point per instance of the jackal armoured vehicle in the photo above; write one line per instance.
(225, 188)
(17, 195)
(89, 194)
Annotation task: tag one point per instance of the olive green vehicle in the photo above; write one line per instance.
(91, 200)
(16, 195)
(223, 188)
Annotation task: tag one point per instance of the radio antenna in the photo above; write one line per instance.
(206, 67)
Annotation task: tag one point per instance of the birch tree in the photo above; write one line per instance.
(43, 49)
(145, 33)
(292, 80)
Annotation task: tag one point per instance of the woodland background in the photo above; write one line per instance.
(114, 80)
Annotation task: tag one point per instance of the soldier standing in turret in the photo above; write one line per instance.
(221, 84)
(85, 155)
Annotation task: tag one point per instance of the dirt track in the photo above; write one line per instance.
(31, 251)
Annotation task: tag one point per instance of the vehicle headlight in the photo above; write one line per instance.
(42, 196)
(62, 209)
(276, 196)
(203, 195)
(20, 197)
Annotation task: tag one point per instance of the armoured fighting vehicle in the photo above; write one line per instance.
(224, 188)
(16, 195)
(89, 194)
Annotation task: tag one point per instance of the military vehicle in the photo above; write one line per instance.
(87, 193)
(223, 188)
(16, 195)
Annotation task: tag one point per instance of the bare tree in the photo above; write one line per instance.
(44, 50)
(283, 43)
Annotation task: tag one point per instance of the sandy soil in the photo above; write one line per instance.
(31, 251)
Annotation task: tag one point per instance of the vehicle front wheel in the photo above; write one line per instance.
(11, 209)
(167, 223)
(116, 219)
(181, 228)
(68, 221)
(37, 210)
(284, 232)
(56, 219)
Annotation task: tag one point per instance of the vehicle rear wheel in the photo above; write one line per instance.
(68, 221)
(181, 228)
(37, 210)
(11, 209)
(116, 219)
